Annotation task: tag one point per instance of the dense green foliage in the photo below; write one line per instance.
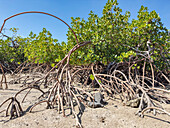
(10, 49)
(113, 36)
(43, 48)
(112, 33)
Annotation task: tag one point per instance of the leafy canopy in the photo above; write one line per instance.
(113, 36)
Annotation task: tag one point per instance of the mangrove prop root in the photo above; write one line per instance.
(120, 79)
(3, 76)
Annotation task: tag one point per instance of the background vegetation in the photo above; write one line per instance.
(114, 38)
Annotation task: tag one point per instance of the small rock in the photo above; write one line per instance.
(98, 101)
(102, 119)
(37, 123)
(115, 106)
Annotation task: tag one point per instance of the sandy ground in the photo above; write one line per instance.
(113, 115)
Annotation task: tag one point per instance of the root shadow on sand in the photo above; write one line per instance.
(24, 112)
(158, 119)
(80, 114)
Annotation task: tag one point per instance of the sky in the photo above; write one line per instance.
(65, 9)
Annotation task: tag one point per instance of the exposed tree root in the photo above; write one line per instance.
(3, 77)
(69, 85)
